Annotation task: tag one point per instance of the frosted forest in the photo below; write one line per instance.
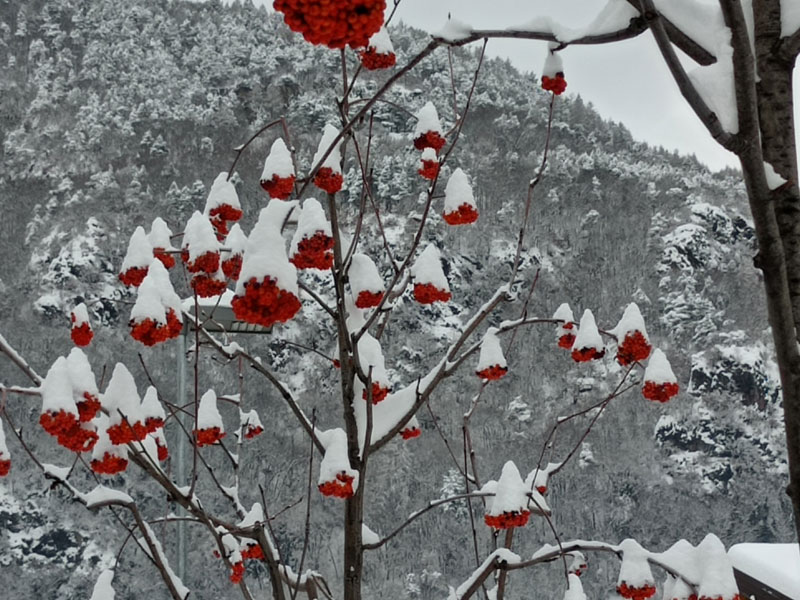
(307, 303)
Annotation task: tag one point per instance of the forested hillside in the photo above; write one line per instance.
(113, 113)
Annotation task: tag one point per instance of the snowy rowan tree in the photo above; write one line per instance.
(317, 255)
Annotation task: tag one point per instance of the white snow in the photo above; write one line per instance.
(364, 275)
(430, 154)
(574, 588)
(80, 373)
(452, 31)
(265, 255)
(510, 492)
(181, 589)
(427, 120)
(278, 162)
(715, 84)
(160, 279)
(370, 354)
(4, 455)
(148, 303)
(717, 578)
(491, 351)
(428, 268)
(380, 42)
(564, 313)
(222, 192)
(552, 62)
(630, 321)
(701, 21)
(207, 412)
(121, 395)
(140, 252)
(614, 16)
(79, 315)
(57, 389)
(335, 157)
(457, 192)
(774, 181)
(312, 220)
(102, 495)
(104, 444)
(634, 570)
(777, 565)
(335, 460)
(790, 17)
(501, 554)
(199, 237)
(255, 515)
(368, 536)
(588, 336)
(235, 242)
(151, 407)
(160, 234)
(102, 588)
(658, 369)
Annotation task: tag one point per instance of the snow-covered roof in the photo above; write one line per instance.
(776, 565)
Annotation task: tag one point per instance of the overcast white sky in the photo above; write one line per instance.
(625, 81)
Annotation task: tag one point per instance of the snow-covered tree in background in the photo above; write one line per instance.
(357, 285)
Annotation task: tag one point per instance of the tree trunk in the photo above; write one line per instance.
(353, 551)
(775, 116)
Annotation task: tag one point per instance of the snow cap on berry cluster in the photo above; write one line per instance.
(658, 369)
(208, 415)
(278, 161)
(148, 303)
(140, 251)
(151, 407)
(510, 492)
(716, 579)
(312, 220)
(364, 276)
(102, 588)
(427, 120)
(564, 313)
(335, 157)
(81, 374)
(235, 242)
(428, 268)
(458, 191)
(79, 315)
(265, 253)
(121, 396)
(380, 42)
(635, 578)
(160, 235)
(223, 193)
(552, 63)
(630, 321)
(491, 352)
(588, 334)
(574, 588)
(335, 460)
(104, 445)
(56, 389)
(199, 237)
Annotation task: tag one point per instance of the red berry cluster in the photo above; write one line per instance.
(82, 334)
(150, 332)
(5, 466)
(279, 187)
(429, 169)
(165, 257)
(341, 487)
(237, 572)
(88, 407)
(556, 84)
(208, 286)
(68, 431)
(220, 227)
(252, 552)
(328, 180)
(633, 348)
(250, 431)
(587, 354)
(465, 215)
(232, 266)
(314, 252)
(59, 422)
(410, 433)
(163, 451)
(542, 489)
(636, 593)
(379, 393)
(373, 60)
(333, 24)
(207, 263)
(427, 293)
(659, 392)
(492, 373)
(264, 303)
(508, 519)
(208, 436)
(134, 276)
(430, 139)
(225, 212)
(125, 432)
(110, 464)
(367, 299)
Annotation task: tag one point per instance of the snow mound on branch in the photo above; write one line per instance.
(614, 16)
(574, 588)
(102, 588)
(453, 31)
(381, 42)
(335, 157)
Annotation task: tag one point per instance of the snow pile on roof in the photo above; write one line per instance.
(773, 564)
